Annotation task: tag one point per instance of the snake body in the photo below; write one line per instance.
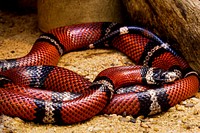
(35, 89)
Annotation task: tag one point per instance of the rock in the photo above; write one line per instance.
(133, 120)
(124, 119)
(189, 105)
(156, 129)
(170, 19)
(180, 108)
(144, 125)
(197, 95)
(94, 129)
(196, 111)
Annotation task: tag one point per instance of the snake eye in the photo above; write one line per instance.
(4, 80)
(158, 76)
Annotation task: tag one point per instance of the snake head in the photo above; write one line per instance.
(159, 76)
(170, 76)
(165, 77)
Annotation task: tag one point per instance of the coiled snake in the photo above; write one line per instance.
(35, 89)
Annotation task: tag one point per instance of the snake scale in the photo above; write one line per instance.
(33, 88)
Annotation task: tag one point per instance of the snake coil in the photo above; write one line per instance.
(35, 89)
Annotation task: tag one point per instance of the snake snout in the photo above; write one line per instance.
(161, 76)
(170, 76)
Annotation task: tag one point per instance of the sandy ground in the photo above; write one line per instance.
(18, 33)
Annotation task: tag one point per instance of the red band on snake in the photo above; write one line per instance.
(35, 89)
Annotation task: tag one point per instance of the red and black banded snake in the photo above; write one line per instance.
(35, 89)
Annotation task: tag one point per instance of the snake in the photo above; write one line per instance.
(35, 89)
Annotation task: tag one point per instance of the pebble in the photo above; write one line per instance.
(124, 119)
(180, 108)
(12, 51)
(133, 120)
(124, 114)
(195, 99)
(129, 117)
(143, 120)
(184, 119)
(113, 115)
(196, 111)
(153, 121)
(183, 103)
(156, 129)
(186, 126)
(144, 125)
(171, 109)
(90, 128)
(106, 115)
(94, 129)
(139, 119)
(189, 105)
(197, 95)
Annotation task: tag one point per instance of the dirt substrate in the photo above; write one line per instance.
(18, 33)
